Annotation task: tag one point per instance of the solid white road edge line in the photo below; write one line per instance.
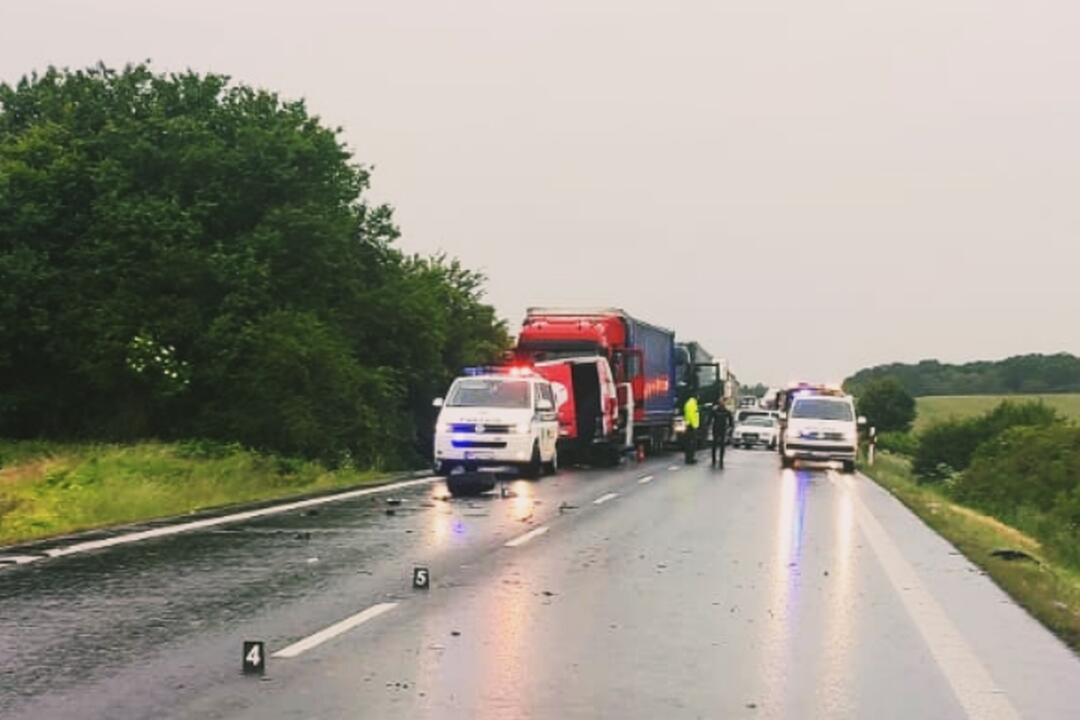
(334, 630)
(604, 498)
(522, 539)
(971, 682)
(646, 479)
(226, 519)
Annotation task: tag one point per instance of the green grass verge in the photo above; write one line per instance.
(1047, 590)
(933, 409)
(50, 488)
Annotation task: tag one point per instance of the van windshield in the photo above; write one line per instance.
(822, 409)
(490, 393)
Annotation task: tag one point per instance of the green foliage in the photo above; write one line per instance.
(947, 447)
(887, 405)
(901, 443)
(1059, 373)
(183, 256)
(757, 390)
(1030, 477)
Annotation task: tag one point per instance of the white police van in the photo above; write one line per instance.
(821, 427)
(498, 422)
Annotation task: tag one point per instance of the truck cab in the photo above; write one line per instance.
(641, 357)
(501, 422)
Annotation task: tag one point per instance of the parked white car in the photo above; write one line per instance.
(756, 430)
(502, 423)
(821, 427)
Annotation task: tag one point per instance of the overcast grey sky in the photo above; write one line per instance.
(804, 187)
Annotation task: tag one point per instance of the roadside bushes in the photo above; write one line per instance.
(901, 443)
(1029, 477)
(948, 447)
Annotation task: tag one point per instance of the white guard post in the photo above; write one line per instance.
(629, 415)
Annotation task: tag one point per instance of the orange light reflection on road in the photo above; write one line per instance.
(521, 499)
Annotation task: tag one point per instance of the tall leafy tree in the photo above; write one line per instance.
(887, 405)
(183, 255)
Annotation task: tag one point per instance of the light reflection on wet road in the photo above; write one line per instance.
(743, 593)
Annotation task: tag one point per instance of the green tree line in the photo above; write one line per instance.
(184, 256)
(1058, 373)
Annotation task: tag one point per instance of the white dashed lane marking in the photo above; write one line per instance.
(334, 630)
(522, 539)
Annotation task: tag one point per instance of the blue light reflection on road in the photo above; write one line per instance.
(784, 583)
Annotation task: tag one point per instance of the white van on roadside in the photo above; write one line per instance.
(498, 422)
(823, 428)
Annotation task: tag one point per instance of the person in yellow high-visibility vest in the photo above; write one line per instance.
(693, 422)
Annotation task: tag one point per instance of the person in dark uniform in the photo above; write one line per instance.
(720, 421)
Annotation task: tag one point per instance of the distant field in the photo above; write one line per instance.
(931, 409)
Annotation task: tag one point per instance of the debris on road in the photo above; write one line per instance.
(563, 506)
(393, 501)
(455, 633)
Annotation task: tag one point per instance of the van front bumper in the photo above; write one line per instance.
(483, 449)
(803, 450)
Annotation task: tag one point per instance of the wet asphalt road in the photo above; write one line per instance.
(748, 592)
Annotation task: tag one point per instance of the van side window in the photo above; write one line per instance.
(546, 393)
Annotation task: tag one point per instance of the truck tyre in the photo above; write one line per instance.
(552, 466)
(848, 467)
(786, 462)
(532, 468)
(606, 455)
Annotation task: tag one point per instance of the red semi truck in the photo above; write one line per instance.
(641, 357)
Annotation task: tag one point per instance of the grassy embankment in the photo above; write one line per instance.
(1048, 590)
(932, 409)
(51, 488)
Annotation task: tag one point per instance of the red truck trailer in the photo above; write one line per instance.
(641, 356)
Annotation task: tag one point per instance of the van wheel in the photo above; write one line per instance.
(552, 466)
(786, 462)
(848, 467)
(532, 469)
(467, 484)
